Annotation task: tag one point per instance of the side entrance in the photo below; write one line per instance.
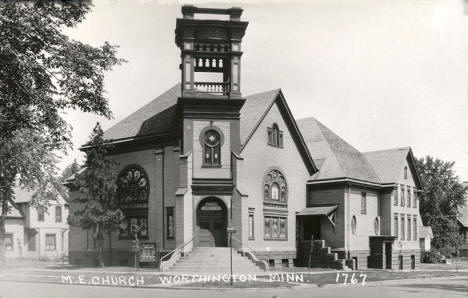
(212, 223)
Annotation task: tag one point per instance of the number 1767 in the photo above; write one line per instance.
(353, 279)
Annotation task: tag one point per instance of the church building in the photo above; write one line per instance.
(202, 159)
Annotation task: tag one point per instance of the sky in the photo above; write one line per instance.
(381, 74)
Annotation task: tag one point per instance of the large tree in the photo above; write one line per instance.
(43, 73)
(439, 203)
(97, 206)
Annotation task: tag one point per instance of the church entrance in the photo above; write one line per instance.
(212, 223)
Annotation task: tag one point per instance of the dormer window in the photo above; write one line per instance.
(212, 149)
(275, 136)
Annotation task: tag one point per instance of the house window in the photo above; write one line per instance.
(408, 198)
(415, 227)
(50, 242)
(402, 195)
(58, 214)
(170, 222)
(402, 228)
(212, 149)
(8, 240)
(276, 228)
(406, 173)
(275, 188)
(408, 218)
(395, 224)
(251, 226)
(275, 136)
(31, 239)
(363, 203)
(415, 199)
(376, 226)
(395, 197)
(353, 224)
(40, 213)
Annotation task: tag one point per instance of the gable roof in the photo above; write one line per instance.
(157, 116)
(333, 155)
(389, 164)
(254, 111)
(14, 212)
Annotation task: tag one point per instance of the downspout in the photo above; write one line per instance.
(347, 229)
(163, 159)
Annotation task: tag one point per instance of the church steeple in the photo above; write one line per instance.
(210, 52)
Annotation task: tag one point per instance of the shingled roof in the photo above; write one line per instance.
(157, 116)
(334, 157)
(388, 163)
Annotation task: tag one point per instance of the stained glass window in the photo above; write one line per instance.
(275, 187)
(133, 185)
(212, 148)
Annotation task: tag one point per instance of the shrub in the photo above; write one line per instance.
(432, 256)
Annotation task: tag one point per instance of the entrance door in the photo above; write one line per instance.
(312, 228)
(212, 223)
(388, 255)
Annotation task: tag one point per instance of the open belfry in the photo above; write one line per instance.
(201, 160)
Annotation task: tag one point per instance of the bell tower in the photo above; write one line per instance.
(210, 46)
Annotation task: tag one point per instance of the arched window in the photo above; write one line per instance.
(406, 172)
(132, 192)
(376, 226)
(353, 224)
(275, 136)
(212, 148)
(275, 187)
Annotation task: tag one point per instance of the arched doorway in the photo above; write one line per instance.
(212, 222)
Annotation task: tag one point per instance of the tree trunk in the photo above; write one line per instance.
(99, 240)
(3, 232)
(110, 248)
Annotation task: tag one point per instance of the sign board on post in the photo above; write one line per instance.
(148, 252)
(231, 230)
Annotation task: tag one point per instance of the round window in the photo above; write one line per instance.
(353, 224)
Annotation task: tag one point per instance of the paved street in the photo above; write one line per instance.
(427, 288)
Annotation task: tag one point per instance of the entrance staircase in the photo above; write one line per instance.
(214, 260)
(315, 254)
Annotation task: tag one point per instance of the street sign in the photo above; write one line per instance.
(231, 230)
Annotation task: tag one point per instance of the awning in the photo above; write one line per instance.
(318, 210)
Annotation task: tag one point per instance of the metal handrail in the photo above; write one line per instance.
(178, 247)
(252, 251)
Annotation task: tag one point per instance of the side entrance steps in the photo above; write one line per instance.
(320, 256)
(214, 260)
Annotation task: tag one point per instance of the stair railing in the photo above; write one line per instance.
(172, 257)
(260, 261)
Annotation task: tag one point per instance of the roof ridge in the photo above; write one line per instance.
(389, 149)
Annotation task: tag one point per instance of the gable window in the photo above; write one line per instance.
(275, 188)
(395, 225)
(402, 195)
(415, 199)
(40, 213)
(50, 242)
(212, 149)
(408, 198)
(8, 240)
(133, 191)
(58, 213)
(406, 173)
(275, 136)
(170, 222)
(363, 203)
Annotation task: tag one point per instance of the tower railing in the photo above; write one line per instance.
(212, 87)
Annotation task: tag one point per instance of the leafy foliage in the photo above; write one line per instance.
(99, 209)
(439, 203)
(70, 170)
(43, 71)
